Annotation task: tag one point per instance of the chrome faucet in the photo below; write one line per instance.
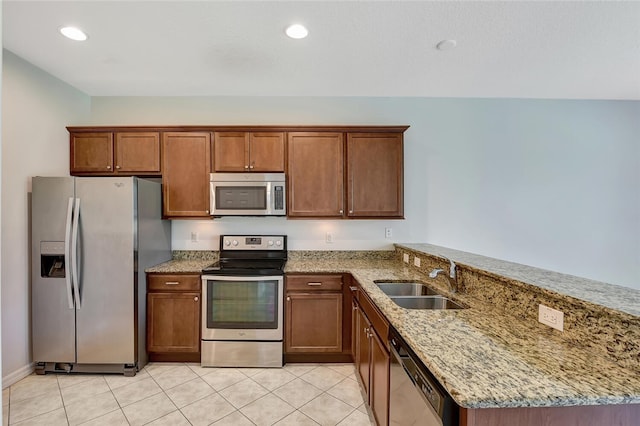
(452, 279)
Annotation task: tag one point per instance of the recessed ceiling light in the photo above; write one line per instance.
(73, 33)
(446, 45)
(297, 31)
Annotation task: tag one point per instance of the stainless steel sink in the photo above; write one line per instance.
(406, 289)
(426, 302)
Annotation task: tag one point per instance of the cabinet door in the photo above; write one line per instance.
(173, 322)
(315, 179)
(186, 166)
(363, 348)
(91, 153)
(375, 175)
(313, 322)
(266, 152)
(231, 151)
(138, 153)
(379, 387)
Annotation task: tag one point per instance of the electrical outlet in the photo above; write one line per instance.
(416, 261)
(388, 232)
(328, 237)
(194, 237)
(551, 317)
(405, 257)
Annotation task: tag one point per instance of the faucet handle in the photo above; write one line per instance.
(435, 273)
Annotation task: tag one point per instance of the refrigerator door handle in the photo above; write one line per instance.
(74, 253)
(67, 254)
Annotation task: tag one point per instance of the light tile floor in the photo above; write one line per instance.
(175, 394)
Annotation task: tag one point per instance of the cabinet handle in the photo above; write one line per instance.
(117, 167)
(288, 299)
(195, 299)
(355, 308)
(314, 284)
(108, 167)
(353, 288)
(246, 167)
(172, 282)
(341, 211)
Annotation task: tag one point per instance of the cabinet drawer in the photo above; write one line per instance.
(174, 282)
(314, 282)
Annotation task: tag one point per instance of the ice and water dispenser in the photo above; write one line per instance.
(52, 259)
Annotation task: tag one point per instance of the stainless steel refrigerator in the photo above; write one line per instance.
(92, 239)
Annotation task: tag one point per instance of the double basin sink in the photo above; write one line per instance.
(413, 295)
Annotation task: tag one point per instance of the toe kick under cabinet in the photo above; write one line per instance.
(173, 317)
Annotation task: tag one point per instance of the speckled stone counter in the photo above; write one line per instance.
(485, 356)
(494, 354)
(185, 262)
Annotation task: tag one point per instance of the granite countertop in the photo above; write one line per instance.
(482, 356)
(608, 295)
(180, 266)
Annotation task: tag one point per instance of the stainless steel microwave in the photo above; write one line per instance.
(248, 194)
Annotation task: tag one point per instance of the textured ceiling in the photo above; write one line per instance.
(574, 50)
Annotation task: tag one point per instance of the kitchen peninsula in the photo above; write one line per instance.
(495, 358)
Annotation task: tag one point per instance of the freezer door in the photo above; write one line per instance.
(106, 314)
(52, 316)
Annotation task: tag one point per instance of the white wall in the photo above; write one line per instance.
(547, 183)
(35, 110)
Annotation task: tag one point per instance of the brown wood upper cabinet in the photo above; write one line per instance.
(375, 175)
(248, 151)
(185, 174)
(316, 174)
(110, 153)
(371, 164)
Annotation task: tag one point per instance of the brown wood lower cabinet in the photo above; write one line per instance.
(315, 322)
(371, 355)
(173, 317)
(315, 317)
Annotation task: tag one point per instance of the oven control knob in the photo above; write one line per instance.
(278, 243)
(235, 243)
(227, 243)
(270, 242)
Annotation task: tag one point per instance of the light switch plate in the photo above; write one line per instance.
(551, 317)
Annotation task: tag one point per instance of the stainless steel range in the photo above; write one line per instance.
(242, 309)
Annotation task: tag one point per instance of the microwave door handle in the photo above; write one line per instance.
(67, 254)
(212, 198)
(74, 253)
(269, 197)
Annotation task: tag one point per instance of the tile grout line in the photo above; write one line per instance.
(340, 373)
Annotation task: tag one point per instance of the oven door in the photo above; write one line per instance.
(242, 308)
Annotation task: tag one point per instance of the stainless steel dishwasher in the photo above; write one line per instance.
(416, 398)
